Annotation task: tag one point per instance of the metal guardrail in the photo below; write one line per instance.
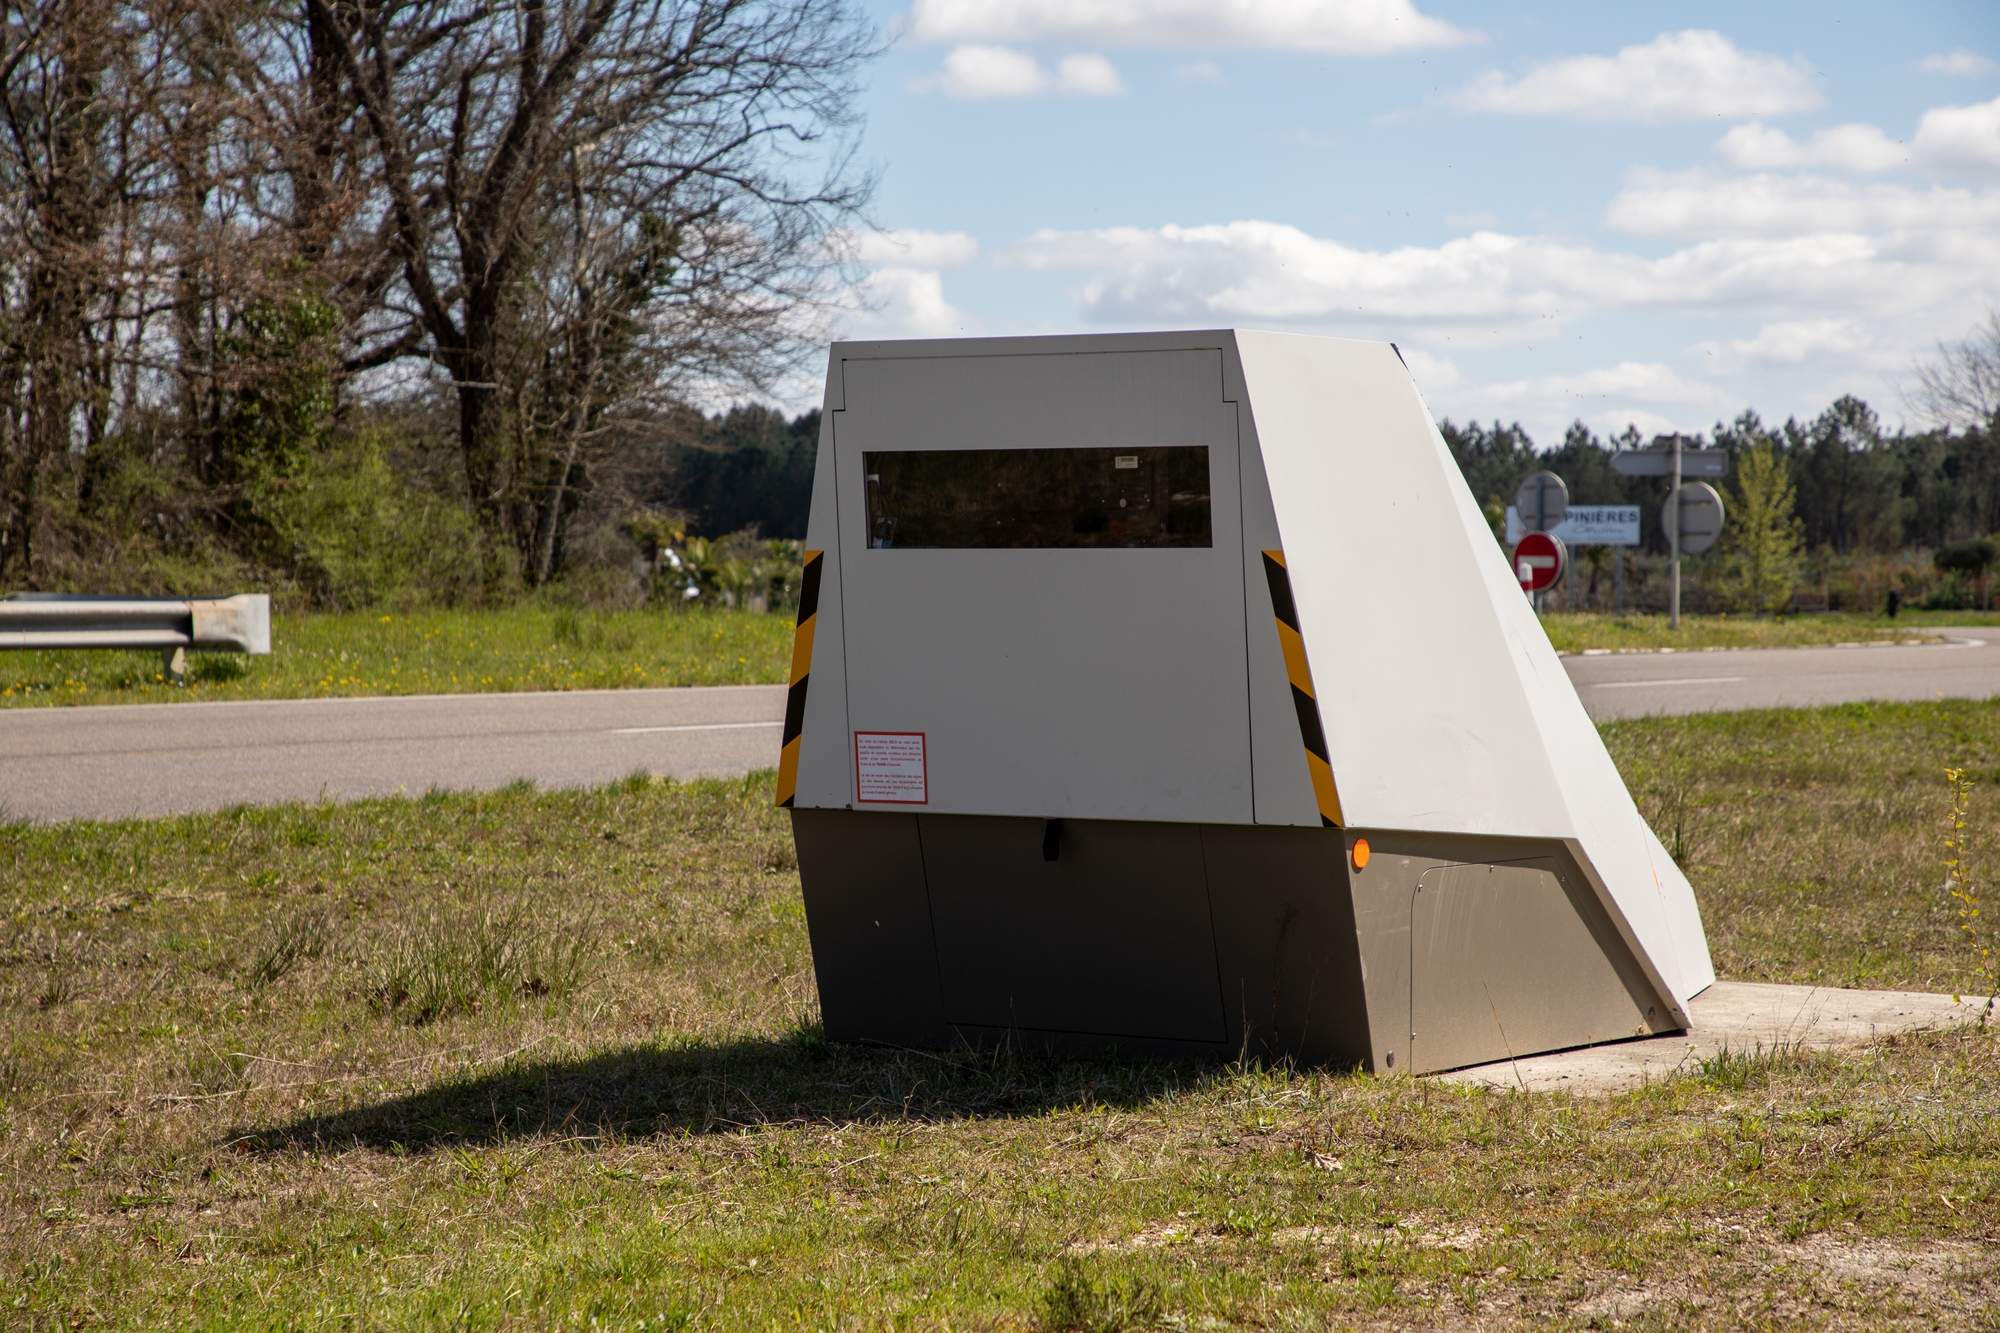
(174, 625)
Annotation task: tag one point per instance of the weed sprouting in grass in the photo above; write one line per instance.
(566, 626)
(452, 962)
(1377, 1289)
(1676, 810)
(1960, 882)
(292, 935)
(1735, 1070)
(212, 1071)
(58, 988)
(1078, 1301)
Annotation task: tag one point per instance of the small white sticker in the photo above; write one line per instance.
(889, 768)
(1125, 460)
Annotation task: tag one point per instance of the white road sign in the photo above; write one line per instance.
(1586, 525)
(1660, 462)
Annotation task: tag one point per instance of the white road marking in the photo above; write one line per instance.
(1685, 680)
(694, 726)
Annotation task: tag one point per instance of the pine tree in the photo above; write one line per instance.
(1761, 560)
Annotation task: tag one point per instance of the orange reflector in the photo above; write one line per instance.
(1360, 853)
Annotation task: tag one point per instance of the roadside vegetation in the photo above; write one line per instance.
(539, 1060)
(549, 646)
(526, 647)
(1583, 632)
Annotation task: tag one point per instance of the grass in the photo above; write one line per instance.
(431, 652)
(1595, 631)
(1816, 837)
(618, 1111)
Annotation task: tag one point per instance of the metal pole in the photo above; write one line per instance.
(1621, 578)
(1674, 531)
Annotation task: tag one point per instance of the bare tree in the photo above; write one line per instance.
(63, 79)
(1959, 385)
(588, 199)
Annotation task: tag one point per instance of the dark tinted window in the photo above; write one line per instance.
(970, 498)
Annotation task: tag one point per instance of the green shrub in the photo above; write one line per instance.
(361, 532)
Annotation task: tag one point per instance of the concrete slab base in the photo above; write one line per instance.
(1740, 1015)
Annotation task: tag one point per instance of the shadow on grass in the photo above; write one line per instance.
(725, 1087)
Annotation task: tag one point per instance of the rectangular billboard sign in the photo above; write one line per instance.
(1587, 525)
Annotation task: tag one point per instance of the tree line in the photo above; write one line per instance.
(317, 286)
(1851, 488)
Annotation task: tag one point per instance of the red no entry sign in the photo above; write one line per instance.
(1539, 561)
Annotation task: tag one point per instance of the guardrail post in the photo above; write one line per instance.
(174, 665)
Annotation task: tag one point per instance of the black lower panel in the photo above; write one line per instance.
(1111, 937)
(1285, 943)
(1164, 939)
(870, 920)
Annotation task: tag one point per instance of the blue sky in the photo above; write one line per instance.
(1657, 215)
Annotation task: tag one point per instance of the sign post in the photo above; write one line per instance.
(1674, 532)
(1672, 462)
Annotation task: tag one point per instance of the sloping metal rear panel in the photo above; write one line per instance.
(1502, 963)
(1464, 723)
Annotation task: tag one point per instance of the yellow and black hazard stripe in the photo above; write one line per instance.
(802, 661)
(1303, 697)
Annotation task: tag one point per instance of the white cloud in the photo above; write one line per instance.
(1433, 373)
(1349, 27)
(1706, 205)
(1088, 76)
(1471, 221)
(1692, 75)
(1627, 382)
(974, 72)
(1491, 289)
(914, 249)
(903, 303)
(904, 297)
(1201, 71)
(1947, 138)
(1962, 63)
(1265, 271)
(1822, 342)
(1851, 147)
(1961, 136)
(1655, 398)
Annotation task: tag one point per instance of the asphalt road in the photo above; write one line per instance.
(145, 760)
(1967, 666)
(120, 761)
